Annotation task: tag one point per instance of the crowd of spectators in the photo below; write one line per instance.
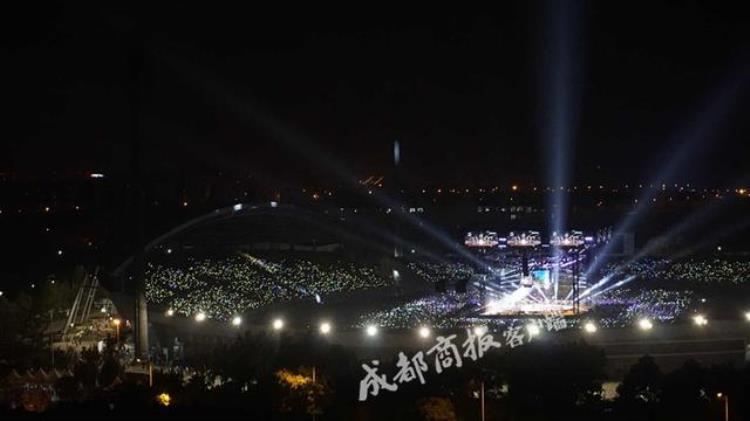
(229, 286)
(624, 306)
(447, 273)
(694, 270)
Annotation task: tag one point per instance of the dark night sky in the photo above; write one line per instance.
(464, 91)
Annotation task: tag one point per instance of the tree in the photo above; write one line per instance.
(643, 383)
(109, 371)
(67, 388)
(436, 409)
(556, 381)
(685, 393)
(640, 391)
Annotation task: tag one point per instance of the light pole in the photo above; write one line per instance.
(725, 397)
(117, 322)
(481, 398)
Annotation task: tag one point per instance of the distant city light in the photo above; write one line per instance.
(236, 321)
(424, 332)
(96, 175)
(274, 204)
(371, 330)
(645, 324)
(201, 316)
(184, 204)
(747, 316)
(325, 328)
(59, 252)
(237, 207)
(700, 320)
(169, 312)
(164, 399)
(278, 324)
(169, 251)
(1, 293)
(590, 327)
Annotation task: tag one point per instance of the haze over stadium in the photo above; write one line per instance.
(376, 214)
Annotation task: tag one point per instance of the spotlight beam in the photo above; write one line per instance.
(683, 146)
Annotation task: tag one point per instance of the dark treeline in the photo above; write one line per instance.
(265, 377)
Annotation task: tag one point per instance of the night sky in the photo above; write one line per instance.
(291, 93)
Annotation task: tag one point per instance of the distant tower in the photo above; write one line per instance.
(397, 250)
(139, 201)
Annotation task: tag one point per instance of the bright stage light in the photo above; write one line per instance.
(325, 328)
(424, 332)
(480, 330)
(278, 324)
(236, 321)
(700, 320)
(590, 327)
(645, 324)
(371, 330)
(201, 316)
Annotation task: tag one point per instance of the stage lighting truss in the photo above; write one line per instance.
(569, 239)
(524, 239)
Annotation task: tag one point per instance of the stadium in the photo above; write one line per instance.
(250, 264)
